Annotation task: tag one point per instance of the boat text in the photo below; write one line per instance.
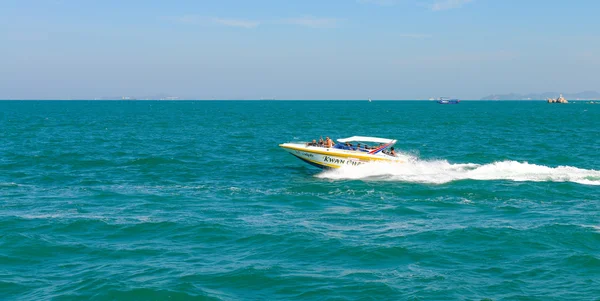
(328, 159)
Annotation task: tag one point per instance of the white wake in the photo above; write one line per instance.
(441, 171)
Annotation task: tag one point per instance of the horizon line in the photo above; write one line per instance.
(258, 99)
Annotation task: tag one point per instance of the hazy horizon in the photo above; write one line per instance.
(310, 50)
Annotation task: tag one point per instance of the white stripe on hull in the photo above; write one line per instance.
(326, 160)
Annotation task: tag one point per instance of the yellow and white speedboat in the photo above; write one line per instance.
(346, 152)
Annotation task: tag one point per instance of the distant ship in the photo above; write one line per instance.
(448, 101)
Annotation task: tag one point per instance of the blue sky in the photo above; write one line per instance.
(304, 49)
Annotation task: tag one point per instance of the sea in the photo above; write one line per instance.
(195, 200)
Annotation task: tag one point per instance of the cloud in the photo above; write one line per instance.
(198, 20)
(185, 19)
(447, 4)
(414, 35)
(306, 21)
(460, 58)
(435, 5)
(235, 22)
(310, 21)
(378, 2)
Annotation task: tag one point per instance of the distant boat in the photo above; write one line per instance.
(370, 100)
(448, 101)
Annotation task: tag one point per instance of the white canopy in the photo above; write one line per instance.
(366, 139)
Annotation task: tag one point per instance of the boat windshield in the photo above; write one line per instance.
(364, 147)
(371, 145)
(354, 147)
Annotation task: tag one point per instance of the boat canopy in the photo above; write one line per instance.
(366, 139)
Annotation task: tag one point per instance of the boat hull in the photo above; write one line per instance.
(322, 157)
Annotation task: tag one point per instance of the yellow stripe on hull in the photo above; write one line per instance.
(337, 154)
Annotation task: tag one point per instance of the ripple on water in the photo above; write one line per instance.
(194, 200)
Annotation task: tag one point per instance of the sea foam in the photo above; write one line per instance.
(442, 171)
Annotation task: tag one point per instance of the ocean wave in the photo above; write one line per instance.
(441, 171)
(68, 218)
(152, 161)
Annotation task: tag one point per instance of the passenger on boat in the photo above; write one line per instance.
(393, 152)
(313, 143)
(321, 143)
(328, 143)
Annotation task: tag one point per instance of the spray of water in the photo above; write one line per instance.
(441, 171)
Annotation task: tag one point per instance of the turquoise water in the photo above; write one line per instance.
(195, 200)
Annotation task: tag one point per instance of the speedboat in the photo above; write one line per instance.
(350, 151)
(448, 101)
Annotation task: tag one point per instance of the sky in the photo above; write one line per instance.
(296, 49)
